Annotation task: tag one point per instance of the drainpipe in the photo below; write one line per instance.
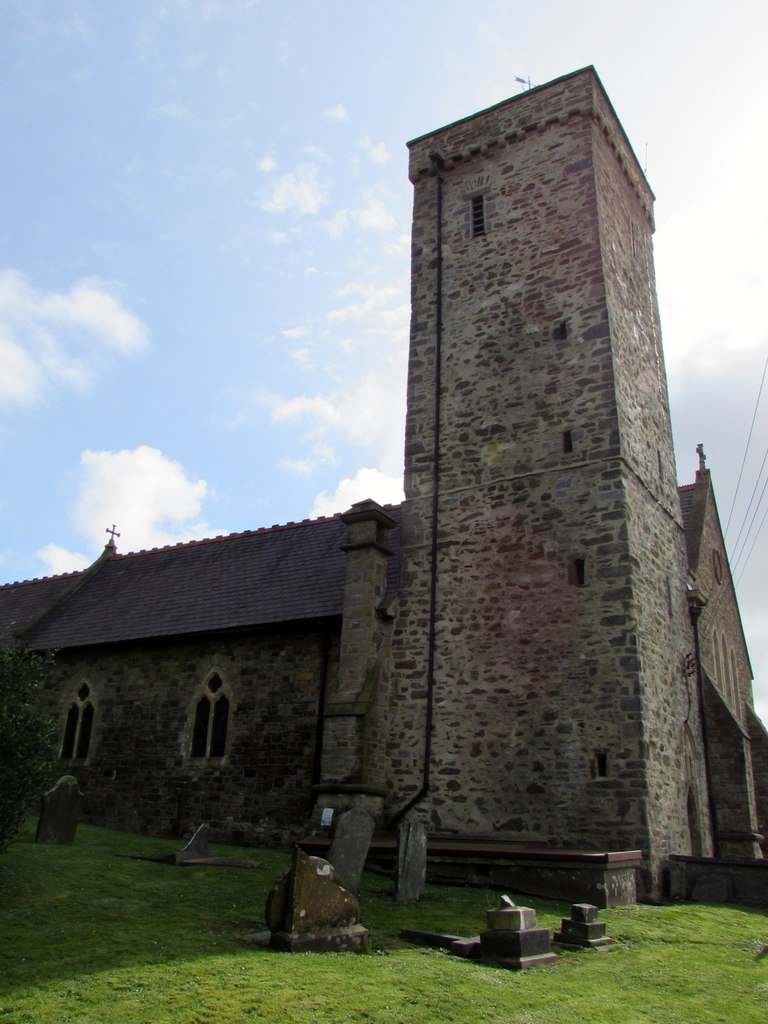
(696, 602)
(437, 160)
(325, 656)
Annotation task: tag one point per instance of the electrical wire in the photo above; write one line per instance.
(746, 449)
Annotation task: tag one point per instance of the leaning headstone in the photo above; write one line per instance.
(411, 864)
(60, 813)
(197, 854)
(308, 909)
(196, 847)
(513, 940)
(582, 929)
(350, 845)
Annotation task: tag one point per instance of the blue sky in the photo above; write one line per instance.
(204, 248)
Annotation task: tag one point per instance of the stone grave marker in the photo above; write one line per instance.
(197, 845)
(197, 854)
(60, 813)
(411, 862)
(350, 844)
(308, 909)
(582, 929)
(513, 940)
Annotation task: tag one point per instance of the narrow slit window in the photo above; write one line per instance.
(561, 331)
(567, 441)
(601, 764)
(478, 215)
(577, 572)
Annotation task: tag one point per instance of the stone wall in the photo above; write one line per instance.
(557, 691)
(759, 752)
(719, 881)
(139, 775)
(730, 759)
(723, 648)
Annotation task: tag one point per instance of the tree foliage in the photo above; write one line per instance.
(26, 734)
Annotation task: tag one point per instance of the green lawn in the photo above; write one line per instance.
(90, 936)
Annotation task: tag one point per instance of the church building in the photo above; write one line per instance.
(542, 644)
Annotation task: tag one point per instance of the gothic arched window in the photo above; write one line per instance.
(78, 727)
(209, 729)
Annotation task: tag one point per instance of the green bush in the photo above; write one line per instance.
(25, 736)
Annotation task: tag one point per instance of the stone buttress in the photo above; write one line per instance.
(354, 712)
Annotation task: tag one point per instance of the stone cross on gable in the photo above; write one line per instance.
(113, 533)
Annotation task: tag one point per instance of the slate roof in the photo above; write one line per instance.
(686, 502)
(282, 574)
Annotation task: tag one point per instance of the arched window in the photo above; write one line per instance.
(735, 687)
(718, 666)
(209, 729)
(726, 688)
(78, 727)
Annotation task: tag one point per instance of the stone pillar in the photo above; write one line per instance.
(352, 765)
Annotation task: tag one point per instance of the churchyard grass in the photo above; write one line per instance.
(90, 935)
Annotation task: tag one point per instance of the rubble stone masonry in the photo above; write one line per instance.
(139, 774)
(560, 620)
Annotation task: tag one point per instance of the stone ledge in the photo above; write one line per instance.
(603, 877)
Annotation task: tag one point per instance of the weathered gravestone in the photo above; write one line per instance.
(196, 848)
(350, 844)
(308, 909)
(197, 854)
(582, 929)
(513, 940)
(60, 813)
(411, 864)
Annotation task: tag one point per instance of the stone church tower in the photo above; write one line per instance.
(539, 651)
(542, 644)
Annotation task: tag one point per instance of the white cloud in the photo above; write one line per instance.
(366, 483)
(399, 248)
(375, 216)
(59, 560)
(88, 305)
(338, 223)
(710, 264)
(302, 356)
(383, 307)
(21, 380)
(144, 492)
(363, 407)
(368, 412)
(377, 152)
(172, 110)
(50, 339)
(337, 113)
(321, 455)
(699, 333)
(294, 332)
(299, 190)
(372, 216)
(267, 163)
